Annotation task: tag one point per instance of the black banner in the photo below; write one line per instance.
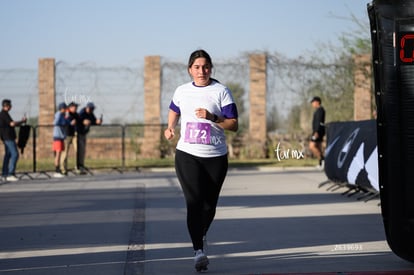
(392, 37)
(351, 154)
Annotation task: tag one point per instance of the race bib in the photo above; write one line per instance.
(197, 132)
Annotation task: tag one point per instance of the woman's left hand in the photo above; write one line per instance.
(203, 113)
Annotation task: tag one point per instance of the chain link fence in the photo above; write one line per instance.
(118, 93)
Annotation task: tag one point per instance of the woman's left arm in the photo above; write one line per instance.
(230, 124)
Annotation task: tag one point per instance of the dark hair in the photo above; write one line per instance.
(198, 54)
(6, 102)
(316, 98)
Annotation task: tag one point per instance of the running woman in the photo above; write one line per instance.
(206, 109)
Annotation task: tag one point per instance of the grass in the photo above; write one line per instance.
(25, 165)
(307, 162)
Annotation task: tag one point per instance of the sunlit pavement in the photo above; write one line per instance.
(268, 222)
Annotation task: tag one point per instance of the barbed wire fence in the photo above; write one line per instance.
(118, 92)
(20, 85)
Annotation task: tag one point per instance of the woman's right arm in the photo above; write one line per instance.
(172, 122)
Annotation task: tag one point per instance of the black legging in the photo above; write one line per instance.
(201, 180)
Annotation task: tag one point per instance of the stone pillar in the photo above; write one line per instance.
(362, 91)
(152, 107)
(47, 106)
(257, 118)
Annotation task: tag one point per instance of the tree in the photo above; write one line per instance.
(234, 139)
(334, 82)
(238, 95)
(273, 119)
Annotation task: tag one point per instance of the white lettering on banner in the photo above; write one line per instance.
(345, 149)
(358, 164)
(330, 146)
(371, 166)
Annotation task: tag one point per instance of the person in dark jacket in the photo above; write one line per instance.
(87, 119)
(8, 136)
(318, 130)
(72, 118)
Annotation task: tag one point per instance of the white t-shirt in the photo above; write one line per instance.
(202, 137)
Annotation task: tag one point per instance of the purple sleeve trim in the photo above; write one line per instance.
(175, 108)
(230, 111)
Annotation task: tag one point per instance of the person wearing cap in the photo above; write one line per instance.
(8, 136)
(87, 119)
(73, 120)
(318, 130)
(59, 135)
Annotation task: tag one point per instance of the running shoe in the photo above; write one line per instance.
(200, 261)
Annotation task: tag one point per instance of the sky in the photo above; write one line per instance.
(123, 32)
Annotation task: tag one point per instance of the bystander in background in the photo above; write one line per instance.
(71, 136)
(8, 136)
(87, 119)
(318, 130)
(59, 135)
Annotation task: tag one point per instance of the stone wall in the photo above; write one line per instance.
(152, 103)
(257, 118)
(47, 105)
(362, 91)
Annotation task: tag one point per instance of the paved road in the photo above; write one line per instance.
(79, 225)
(268, 222)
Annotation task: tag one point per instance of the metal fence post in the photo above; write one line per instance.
(34, 150)
(123, 147)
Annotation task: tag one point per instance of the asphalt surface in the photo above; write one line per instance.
(268, 222)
